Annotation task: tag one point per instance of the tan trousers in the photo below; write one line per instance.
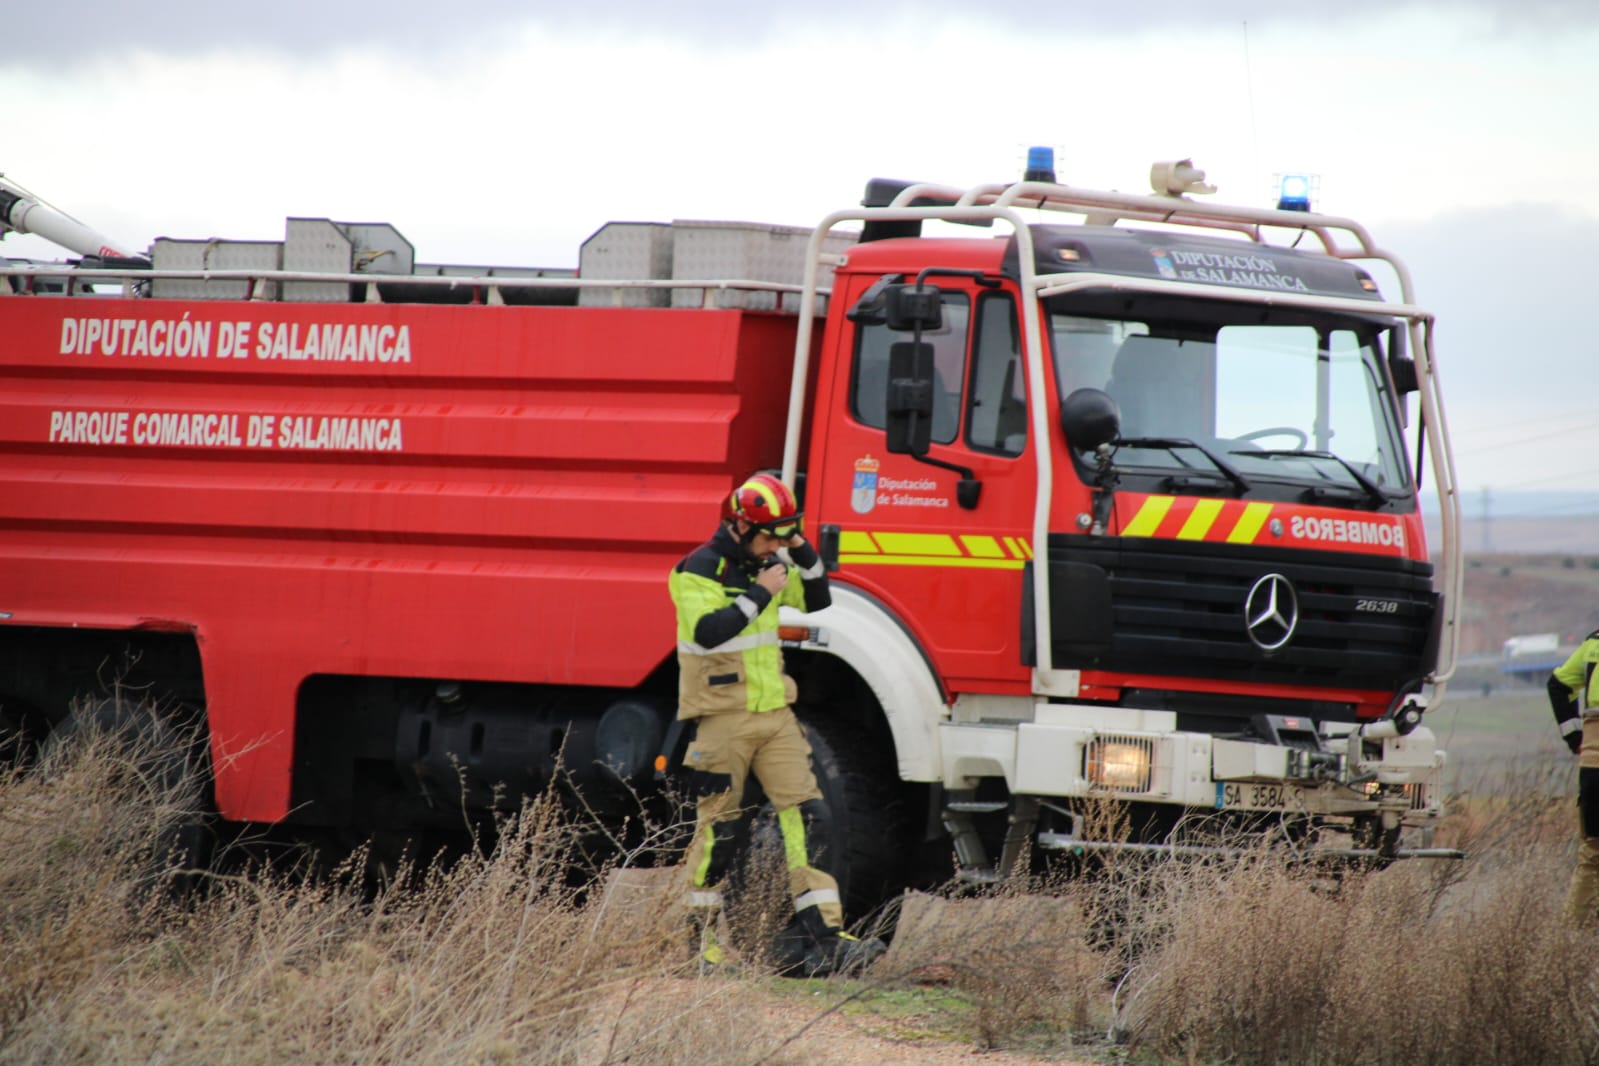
(1582, 901)
(726, 749)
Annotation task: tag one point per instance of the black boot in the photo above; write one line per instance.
(809, 947)
(851, 954)
(792, 950)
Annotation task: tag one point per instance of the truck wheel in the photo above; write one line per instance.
(174, 764)
(868, 839)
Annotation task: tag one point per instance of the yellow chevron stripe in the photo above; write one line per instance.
(853, 540)
(1149, 517)
(983, 547)
(925, 560)
(917, 544)
(1249, 523)
(860, 548)
(1200, 520)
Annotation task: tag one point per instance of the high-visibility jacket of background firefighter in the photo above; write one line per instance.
(727, 641)
(1574, 695)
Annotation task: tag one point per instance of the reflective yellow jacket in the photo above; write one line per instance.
(728, 654)
(1574, 695)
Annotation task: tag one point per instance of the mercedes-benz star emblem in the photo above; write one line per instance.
(1271, 611)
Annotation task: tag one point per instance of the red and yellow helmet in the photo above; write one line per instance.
(767, 505)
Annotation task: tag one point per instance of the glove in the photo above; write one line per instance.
(1574, 741)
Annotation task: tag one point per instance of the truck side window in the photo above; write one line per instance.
(997, 421)
(869, 375)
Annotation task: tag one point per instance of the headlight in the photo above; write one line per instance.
(1119, 763)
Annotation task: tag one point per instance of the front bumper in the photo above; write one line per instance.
(1070, 750)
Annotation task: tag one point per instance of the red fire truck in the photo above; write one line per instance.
(1119, 495)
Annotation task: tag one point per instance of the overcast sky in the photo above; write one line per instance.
(1466, 137)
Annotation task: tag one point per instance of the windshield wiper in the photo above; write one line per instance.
(1172, 444)
(1373, 491)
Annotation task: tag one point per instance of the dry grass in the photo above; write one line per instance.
(1020, 960)
(81, 850)
(495, 958)
(499, 958)
(1420, 963)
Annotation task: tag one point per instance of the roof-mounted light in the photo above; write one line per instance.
(1177, 177)
(1293, 194)
(1040, 164)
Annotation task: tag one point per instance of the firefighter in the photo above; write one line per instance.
(1574, 695)
(734, 691)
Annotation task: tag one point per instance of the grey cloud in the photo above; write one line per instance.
(53, 36)
(1511, 291)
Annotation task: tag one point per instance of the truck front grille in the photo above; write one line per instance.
(1177, 608)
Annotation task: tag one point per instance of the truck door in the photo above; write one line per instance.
(952, 573)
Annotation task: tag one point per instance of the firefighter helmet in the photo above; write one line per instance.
(767, 505)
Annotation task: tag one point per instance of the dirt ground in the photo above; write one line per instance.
(867, 1040)
(878, 1019)
(781, 1023)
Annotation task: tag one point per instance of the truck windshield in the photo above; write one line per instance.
(1293, 402)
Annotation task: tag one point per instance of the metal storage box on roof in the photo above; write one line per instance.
(626, 251)
(744, 250)
(169, 254)
(320, 245)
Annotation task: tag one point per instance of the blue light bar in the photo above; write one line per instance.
(1040, 163)
(1294, 194)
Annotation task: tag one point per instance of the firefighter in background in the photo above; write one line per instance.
(1574, 695)
(734, 691)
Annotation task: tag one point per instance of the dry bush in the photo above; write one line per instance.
(1420, 963)
(759, 905)
(1511, 808)
(497, 957)
(503, 956)
(1021, 959)
(84, 834)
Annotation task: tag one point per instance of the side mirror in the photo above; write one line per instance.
(1090, 418)
(910, 397)
(908, 308)
(1401, 367)
(1401, 371)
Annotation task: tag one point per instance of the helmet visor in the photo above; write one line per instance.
(783, 528)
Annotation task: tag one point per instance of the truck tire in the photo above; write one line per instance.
(869, 839)
(175, 765)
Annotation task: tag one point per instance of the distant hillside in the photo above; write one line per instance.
(1510, 595)
(1495, 521)
(1576, 534)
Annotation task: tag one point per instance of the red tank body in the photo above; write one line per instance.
(386, 490)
